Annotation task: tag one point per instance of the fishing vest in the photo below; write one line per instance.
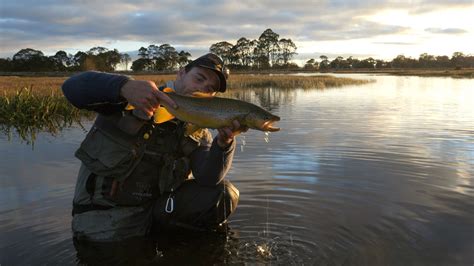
(147, 165)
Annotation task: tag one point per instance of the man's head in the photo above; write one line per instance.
(206, 74)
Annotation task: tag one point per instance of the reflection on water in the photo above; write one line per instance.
(362, 175)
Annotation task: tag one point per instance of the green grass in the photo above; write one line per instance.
(27, 113)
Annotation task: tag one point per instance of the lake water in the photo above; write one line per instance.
(378, 174)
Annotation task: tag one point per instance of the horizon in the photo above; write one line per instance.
(377, 29)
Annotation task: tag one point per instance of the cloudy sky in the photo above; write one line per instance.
(360, 28)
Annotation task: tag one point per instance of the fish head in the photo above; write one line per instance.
(262, 120)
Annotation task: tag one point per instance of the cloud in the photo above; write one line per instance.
(196, 23)
(446, 31)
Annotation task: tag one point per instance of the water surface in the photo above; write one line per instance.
(378, 174)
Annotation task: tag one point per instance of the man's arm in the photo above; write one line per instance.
(107, 93)
(96, 91)
(211, 163)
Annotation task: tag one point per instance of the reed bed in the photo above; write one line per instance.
(27, 113)
(29, 105)
(290, 81)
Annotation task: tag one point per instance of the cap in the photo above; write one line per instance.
(213, 62)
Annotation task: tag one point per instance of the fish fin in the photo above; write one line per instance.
(162, 115)
(168, 90)
(199, 94)
(190, 129)
(129, 107)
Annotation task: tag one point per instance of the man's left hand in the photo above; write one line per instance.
(226, 134)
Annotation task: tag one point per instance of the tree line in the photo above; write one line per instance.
(425, 61)
(267, 52)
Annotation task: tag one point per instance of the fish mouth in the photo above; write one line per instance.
(268, 126)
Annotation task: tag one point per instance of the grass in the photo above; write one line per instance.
(29, 105)
(28, 113)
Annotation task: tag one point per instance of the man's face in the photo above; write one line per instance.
(198, 79)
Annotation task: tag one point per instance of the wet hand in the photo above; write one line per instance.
(226, 134)
(145, 95)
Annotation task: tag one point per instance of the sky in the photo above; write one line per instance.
(380, 29)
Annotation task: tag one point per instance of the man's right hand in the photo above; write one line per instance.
(145, 95)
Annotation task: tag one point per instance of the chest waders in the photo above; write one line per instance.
(153, 162)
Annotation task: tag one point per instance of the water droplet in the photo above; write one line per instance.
(267, 137)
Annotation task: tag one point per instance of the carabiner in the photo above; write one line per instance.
(169, 208)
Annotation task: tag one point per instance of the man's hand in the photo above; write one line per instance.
(144, 95)
(226, 134)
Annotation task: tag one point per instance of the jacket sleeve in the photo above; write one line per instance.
(96, 91)
(211, 163)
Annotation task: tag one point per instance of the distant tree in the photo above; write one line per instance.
(243, 51)
(125, 59)
(143, 52)
(310, 64)
(222, 49)
(287, 50)
(324, 64)
(78, 61)
(443, 61)
(268, 47)
(31, 60)
(141, 64)
(403, 62)
(426, 60)
(5, 64)
(97, 50)
(27, 54)
(457, 60)
(61, 60)
(169, 56)
(183, 58)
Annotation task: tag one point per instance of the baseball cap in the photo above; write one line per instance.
(215, 63)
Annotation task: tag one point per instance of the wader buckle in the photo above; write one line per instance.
(169, 208)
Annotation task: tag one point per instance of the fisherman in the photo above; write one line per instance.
(137, 176)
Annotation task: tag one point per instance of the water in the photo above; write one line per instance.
(379, 174)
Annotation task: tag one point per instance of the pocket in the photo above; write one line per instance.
(105, 156)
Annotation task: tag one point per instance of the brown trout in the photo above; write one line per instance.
(215, 112)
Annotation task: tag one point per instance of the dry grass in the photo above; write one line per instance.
(32, 104)
(44, 85)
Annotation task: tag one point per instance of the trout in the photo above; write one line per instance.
(215, 112)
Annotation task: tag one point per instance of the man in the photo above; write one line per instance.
(134, 174)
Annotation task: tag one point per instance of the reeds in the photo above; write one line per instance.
(28, 113)
(290, 81)
(29, 105)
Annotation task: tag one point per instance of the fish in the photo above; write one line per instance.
(215, 112)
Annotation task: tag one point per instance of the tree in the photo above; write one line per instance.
(27, 54)
(426, 60)
(243, 51)
(61, 60)
(222, 49)
(169, 56)
(457, 59)
(324, 64)
(78, 61)
(125, 58)
(310, 64)
(143, 52)
(141, 64)
(31, 60)
(268, 46)
(183, 58)
(287, 49)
